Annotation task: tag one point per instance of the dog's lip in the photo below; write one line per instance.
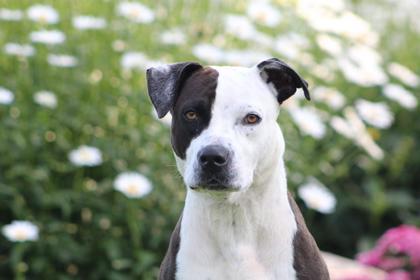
(213, 185)
(218, 188)
(210, 187)
(214, 182)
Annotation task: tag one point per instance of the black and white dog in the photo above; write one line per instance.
(239, 222)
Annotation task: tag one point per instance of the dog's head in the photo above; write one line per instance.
(224, 129)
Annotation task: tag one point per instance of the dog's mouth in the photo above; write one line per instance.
(213, 184)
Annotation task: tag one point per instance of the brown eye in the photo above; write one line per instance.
(252, 119)
(191, 115)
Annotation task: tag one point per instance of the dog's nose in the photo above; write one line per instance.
(213, 157)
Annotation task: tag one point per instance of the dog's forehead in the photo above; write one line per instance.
(231, 77)
(242, 86)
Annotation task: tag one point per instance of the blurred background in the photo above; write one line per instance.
(88, 183)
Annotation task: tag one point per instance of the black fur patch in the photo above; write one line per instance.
(164, 83)
(283, 78)
(197, 94)
(307, 260)
(168, 266)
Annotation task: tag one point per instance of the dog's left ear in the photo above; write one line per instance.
(164, 82)
(281, 78)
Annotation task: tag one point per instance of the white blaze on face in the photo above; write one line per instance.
(240, 91)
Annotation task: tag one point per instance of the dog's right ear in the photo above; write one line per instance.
(164, 83)
(282, 79)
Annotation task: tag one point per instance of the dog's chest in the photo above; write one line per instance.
(229, 243)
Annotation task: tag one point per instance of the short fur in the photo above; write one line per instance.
(249, 227)
(306, 251)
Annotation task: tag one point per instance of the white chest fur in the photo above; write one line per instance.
(247, 235)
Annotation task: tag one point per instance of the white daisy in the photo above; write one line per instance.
(318, 197)
(345, 23)
(325, 70)
(239, 26)
(330, 96)
(173, 37)
(86, 156)
(360, 134)
(19, 50)
(133, 184)
(363, 74)
(307, 6)
(208, 53)
(352, 127)
(320, 19)
(374, 113)
(354, 27)
(308, 121)
(404, 74)
(46, 99)
(6, 96)
(88, 22)
(362, 54)
(264, 13)
(342, 126)
(329, 44)
(43, 14)
(49, 37)
(135, 12)
(362, 65)
(134, 60)
(401, 95)
(10, 15)
(244, 57)
(263, 39)
(290, 45)
(321, 10)
(62, 60)
(19, 231)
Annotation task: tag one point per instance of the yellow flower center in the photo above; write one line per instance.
(374, 133)
(132, 189)
(134, 13)
(84, 155)
(261, 16)
(20, 234)
(42, 18)
(315, 202)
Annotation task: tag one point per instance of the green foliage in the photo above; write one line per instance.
(90, 231)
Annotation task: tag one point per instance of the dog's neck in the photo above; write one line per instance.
(247, 233)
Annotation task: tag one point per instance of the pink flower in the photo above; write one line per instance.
(399, 275)
(416, 274)
(372, 258)
(398, 248)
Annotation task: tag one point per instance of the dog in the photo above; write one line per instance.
(239, 221)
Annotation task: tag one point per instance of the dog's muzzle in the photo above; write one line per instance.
(214, 163)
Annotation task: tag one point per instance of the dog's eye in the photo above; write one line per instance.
(252, 119)
(191, 115)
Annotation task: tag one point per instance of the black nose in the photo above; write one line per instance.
(213, 157)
